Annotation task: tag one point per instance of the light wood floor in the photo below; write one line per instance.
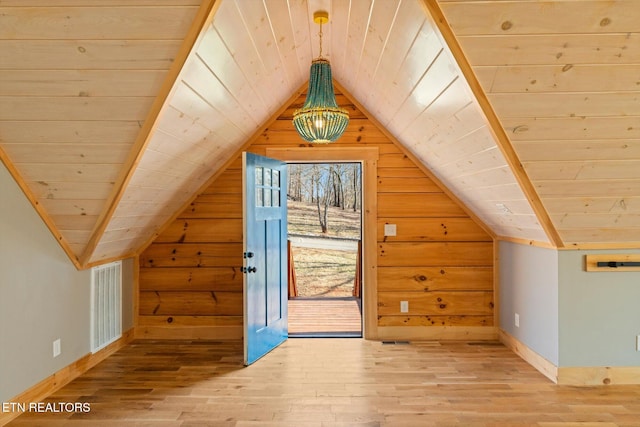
(332, 382)
(339, 316)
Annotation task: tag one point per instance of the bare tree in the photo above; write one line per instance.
(323, 190)
(295, 182)
(325, 186)
(338, 188)
(356, 187)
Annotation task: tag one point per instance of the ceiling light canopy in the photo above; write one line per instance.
(320, 120)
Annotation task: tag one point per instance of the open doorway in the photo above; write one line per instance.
(325, 251)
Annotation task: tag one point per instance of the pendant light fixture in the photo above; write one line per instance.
(320, 120)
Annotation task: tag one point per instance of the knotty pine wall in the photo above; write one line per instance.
(441, 261)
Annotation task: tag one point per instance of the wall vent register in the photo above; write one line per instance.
(106, 305)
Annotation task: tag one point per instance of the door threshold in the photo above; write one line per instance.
(325, 335)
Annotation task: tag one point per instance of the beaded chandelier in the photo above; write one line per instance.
(320, 120)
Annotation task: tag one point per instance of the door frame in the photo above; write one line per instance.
(368, 157)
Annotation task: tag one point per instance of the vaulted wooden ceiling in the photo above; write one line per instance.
(114, 113)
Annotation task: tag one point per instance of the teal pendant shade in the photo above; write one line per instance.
(320, 120)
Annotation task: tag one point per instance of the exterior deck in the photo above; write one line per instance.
(325, 317)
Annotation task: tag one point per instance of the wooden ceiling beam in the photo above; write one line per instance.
(39, 209)
(203, 18)
(504, 144)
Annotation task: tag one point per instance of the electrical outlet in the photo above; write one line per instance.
(57, 349)
(638, 343)
(389, 230)
(404, 306)
(517, 320)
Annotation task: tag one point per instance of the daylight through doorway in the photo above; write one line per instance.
(325, 229)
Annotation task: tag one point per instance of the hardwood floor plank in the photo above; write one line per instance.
(331, 382)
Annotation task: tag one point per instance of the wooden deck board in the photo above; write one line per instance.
(324, 315)
(331, 382)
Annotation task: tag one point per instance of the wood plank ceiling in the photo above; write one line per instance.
(564, 78)
(111, 122)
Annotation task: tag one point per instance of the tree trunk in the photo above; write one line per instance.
(355, 189)
(313, 184)
(321, 196)
(338, 188)
(322, 214)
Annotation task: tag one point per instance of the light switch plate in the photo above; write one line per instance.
(404, 306)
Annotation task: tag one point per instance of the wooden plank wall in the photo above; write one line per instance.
(441, 261)
(190, 279)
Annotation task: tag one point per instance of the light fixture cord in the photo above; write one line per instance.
(320, 40)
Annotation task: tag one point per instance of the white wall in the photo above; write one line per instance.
(42, 296)
(528, 279)
(599, 313)
(571, 317)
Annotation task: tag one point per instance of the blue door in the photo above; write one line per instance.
(265, 255)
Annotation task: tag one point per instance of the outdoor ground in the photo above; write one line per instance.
(321, 271)
(303, 219)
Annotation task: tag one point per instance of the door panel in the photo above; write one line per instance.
(265, 255)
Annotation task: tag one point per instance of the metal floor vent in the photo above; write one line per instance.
(396, 342)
